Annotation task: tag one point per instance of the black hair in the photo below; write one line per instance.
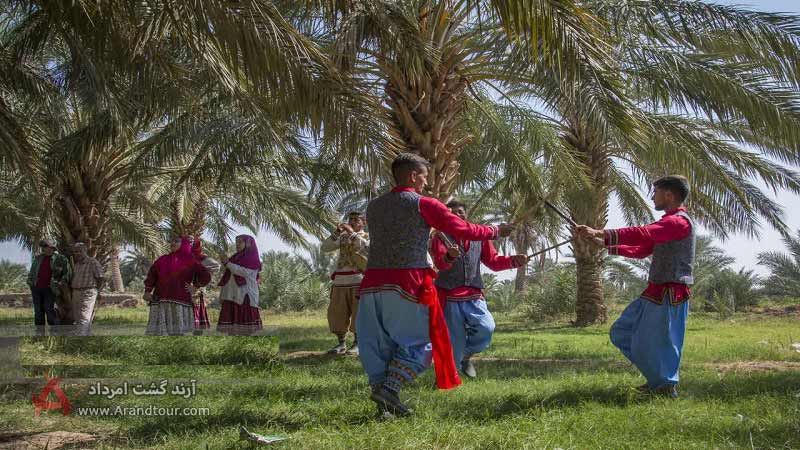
(453, 204)
(677, 184)
(405, 163)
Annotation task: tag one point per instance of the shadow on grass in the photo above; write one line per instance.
(736, 386)
(281, 409)
(304, 338)
(163, 350)
(491, 407)
(510, 369)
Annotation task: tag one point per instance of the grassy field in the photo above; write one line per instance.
(539, 386)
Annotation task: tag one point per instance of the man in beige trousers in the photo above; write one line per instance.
(87, 280)
(352, 242)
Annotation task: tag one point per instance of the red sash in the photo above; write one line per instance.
(444, 365)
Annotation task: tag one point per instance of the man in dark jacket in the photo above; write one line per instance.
(49, 275)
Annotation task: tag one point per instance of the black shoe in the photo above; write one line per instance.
(389, 401)
(340, 349)
(468, 368)
(666, 390)
(644, 389)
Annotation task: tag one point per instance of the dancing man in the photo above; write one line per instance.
(651, 329)
(400, 324)
(460, 287)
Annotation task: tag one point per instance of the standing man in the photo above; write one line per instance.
(650, 330)
(49, 275)
(460, 287)
(87, 280)
(353, 244)
(400, 323)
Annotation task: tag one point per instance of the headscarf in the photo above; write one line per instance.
(175, 261)
(247, 258)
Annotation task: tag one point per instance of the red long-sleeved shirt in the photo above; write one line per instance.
(437, 215)
(638, 242)
(172, 288)
(489, 258)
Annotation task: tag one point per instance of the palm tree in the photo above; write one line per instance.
(96, 92)
(13, 276)
(701, 81)
(135, 265)
(432, 61)
(784, 277)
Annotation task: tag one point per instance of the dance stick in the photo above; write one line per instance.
(561, 213)
(550, 248)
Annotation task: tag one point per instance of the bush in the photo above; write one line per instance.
(287, 284)
(13, 277)
(727, 291)
(553, 295)
(499, 294)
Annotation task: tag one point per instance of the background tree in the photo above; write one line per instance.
(700, 82)
(784, 268)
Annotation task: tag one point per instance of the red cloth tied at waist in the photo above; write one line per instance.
(443, 363)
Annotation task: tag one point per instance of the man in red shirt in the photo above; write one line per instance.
(460, 288)
(651, 330)
(400, 324)
(48, 277)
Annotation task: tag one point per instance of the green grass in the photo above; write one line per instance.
(539, 386)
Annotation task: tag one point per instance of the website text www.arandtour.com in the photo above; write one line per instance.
(141, 411)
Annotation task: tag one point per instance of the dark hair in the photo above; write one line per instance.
(355, 214)
(677, 184)
(453, 204)
(405, 163)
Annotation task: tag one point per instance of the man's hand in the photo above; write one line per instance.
(588, 232)
(519, 260)
(453, 252)
(505, 229)
(148, 297)
(345, 228)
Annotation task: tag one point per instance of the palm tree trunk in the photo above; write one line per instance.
(85, 201)
(520, 280)
(116, 274)
(521, 245)
(589, 207)
(590, 307)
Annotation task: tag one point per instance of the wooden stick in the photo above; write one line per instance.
(550, 248)
(561, 213)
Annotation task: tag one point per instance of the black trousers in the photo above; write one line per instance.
(44, 302)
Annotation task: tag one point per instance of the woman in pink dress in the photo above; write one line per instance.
(239, 294)
(168, 289)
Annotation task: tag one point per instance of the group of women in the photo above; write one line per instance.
(174, 289)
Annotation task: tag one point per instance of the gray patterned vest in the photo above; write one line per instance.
(673, 260)
(398, 233)
(466, 269)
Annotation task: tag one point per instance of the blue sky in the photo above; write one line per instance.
(738, 246)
